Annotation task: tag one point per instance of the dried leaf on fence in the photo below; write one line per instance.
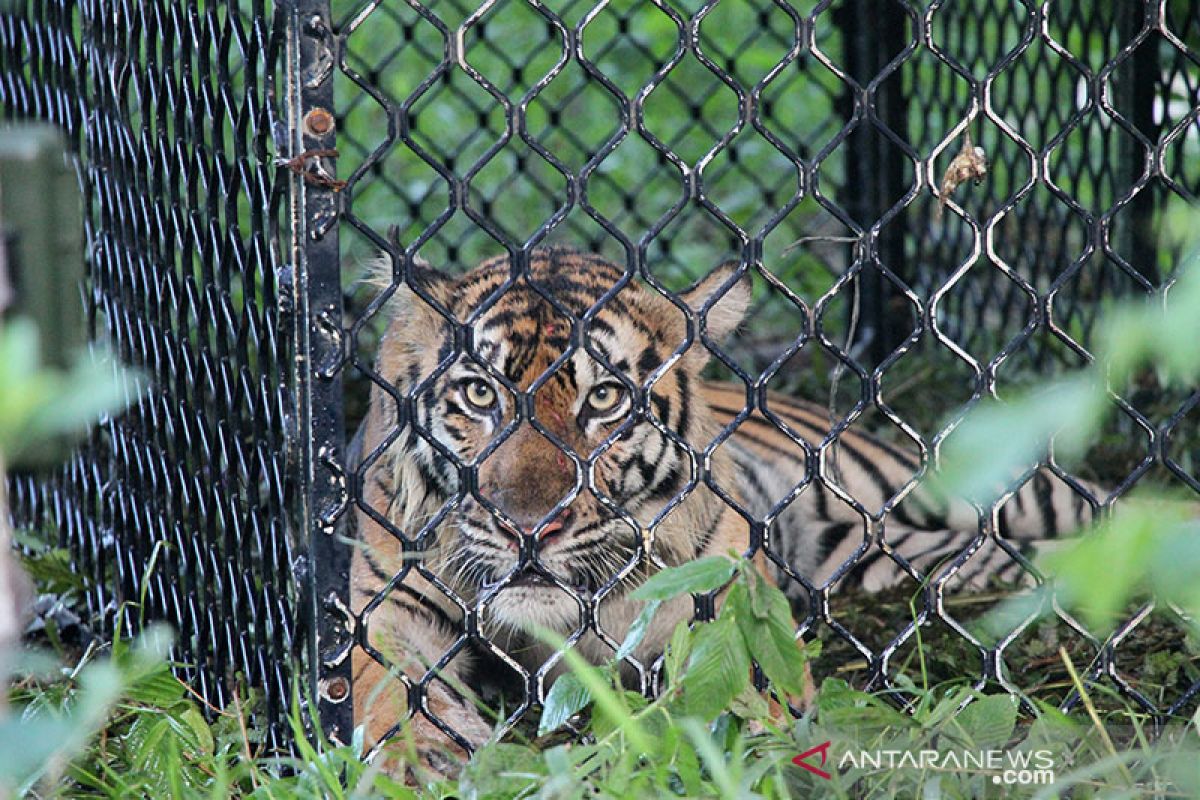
(969, 165)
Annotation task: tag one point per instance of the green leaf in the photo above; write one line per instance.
(566, 698)
(688, 767)
(40, 403)
(502, 770)
(989, 721)
(996, 441)
(769, 636)
(715, 759)
(1104, 570)
(678, 650)
(637, 631)
(199, 729)
(760, 599)
(703, 575)
(159, 688)
(609, 703)
(840, 706)
(717, 671)
(749, 704)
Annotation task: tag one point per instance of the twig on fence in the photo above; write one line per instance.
(806, 239)
(318, 177)
(237, 704)
(201, 699)
(851, 332)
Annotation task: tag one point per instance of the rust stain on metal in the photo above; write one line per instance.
(318, 122)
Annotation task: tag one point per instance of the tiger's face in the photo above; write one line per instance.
(564, 459)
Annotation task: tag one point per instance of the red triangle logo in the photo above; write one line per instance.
(823, 749)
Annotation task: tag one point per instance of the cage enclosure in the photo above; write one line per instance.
(929, 203)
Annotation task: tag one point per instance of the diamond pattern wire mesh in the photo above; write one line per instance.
(671, 136)
(668, 136)
(168, 111)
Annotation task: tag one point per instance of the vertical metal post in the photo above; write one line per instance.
(1136, 241)
(873, 32)
(317, 294)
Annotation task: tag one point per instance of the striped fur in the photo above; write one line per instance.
(437, 541)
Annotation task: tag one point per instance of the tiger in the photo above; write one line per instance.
(559, 438)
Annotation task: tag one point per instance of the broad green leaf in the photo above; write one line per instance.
(871, 717)
(688, 768)
(160, 688)
(502, 770)
(996, 441)
(38, 403)
(198, 727)
(678, 650)
(718, 669)
(154, 732)
(989, 721)
(840, 706)
(608, 701)
(836, 693)
(760, 600)
(770, 636)
(749, 704)
(702, 575)
(566, 698)
(715, 759)
(1103, 570)
(637, 631)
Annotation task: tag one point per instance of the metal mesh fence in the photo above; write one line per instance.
(179, 509)
(806, 141)
(671, 137)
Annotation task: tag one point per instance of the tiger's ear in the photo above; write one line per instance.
(407, 301)
(727, 313)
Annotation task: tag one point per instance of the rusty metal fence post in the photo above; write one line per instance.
(317, 292)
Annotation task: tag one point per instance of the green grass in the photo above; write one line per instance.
(117, 723)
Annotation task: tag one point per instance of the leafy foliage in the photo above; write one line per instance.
(709, 734)
(1149, 548)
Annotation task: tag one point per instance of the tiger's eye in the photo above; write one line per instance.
(605, 397)
(480, 394)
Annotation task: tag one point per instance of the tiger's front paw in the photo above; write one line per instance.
(423, 752)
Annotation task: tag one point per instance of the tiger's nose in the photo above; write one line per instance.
(555, 526)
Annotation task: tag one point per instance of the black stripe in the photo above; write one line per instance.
(741, 432)
(860, 459)
(1080, 507)
(1044, 492)
(376, 570)
(685, 410)
(822, 500)
(751, 481)
(661, 408)
(420, 607)
(818, 433)
(707, 529)
(830, 537)
(803, 417)
(930, 557)
(857, 575)
(648, 360)
(669, 486)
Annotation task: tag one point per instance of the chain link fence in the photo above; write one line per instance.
(242, 164)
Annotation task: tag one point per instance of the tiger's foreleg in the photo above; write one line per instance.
(405, 708)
